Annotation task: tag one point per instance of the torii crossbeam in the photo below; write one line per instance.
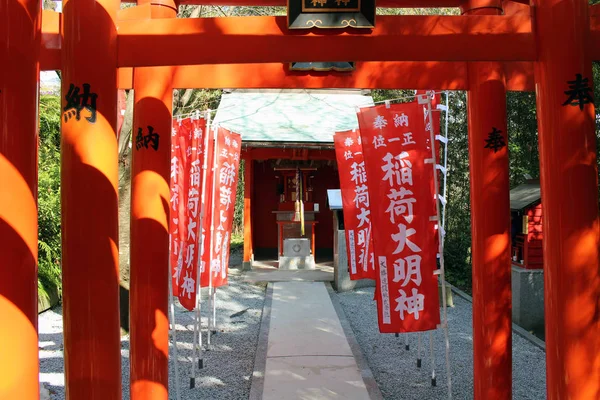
(492, 47)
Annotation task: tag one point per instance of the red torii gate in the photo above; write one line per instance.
(93, 42)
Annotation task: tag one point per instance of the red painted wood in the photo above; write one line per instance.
(267, 39)
(533, 254)
(19, 86)
(265, 189)
(150, 171)
(89, 181)
(489, 187)
(569, 186)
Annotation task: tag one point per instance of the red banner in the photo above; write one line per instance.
(178, 201)
(355, 203)
(186, 205)
(208, 196)
(435, 116)
(227, 161)
(395, 150)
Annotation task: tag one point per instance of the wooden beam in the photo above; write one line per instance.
(368, 75)
(50, 58)
(383, 75)
(192, 41)
(380, 75)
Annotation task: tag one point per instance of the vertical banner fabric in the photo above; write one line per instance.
(207, 192)
(188, 274)
(395, 154)
(185, 202)
(355, 203)
(177, 201)
(227, 161)
(435, 100)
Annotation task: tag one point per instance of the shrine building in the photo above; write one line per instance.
(287, 147)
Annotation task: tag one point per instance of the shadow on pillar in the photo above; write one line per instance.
(124, 306)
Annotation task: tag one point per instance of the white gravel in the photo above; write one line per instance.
(228, 363)
(395, 369)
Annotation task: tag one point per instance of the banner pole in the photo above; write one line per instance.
(440, 252)
(212, 229)
(197, 339)
(201, 237)
(419, 350)
(174, 334)
(432, 354)
(214, 310)
(445, 160)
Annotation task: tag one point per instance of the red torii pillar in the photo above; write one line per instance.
(19, 57)
(89, 184)
(569, 183)
(248, 195)
(490, 223)
(149, 267)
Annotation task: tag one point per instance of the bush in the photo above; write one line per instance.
(49, 238)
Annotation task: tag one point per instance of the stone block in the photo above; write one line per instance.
(296, 247)
(290, 263)
(247, 265)
(528, 298)
(341, 274)
(449, 299)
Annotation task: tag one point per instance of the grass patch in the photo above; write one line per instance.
(237, 241)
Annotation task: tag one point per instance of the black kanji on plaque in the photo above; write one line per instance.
(580, 92)
(151, 139)
(495, 140)
(77, 101)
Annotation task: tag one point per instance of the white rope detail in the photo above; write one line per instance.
(427, 100)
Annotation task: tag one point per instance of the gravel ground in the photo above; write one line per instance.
(395, 369)
(228, 362)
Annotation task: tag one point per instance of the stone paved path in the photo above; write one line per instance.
(308, 354)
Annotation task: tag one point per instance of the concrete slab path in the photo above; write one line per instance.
(308, 355)
(268, 272)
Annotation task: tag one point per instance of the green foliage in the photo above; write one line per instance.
(523, 161)
(457, 251)
(49, 242)
(237, 241)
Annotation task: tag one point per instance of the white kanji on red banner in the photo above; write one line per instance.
(356, 204)
(403, 238)
(226, 166)
(187, 158)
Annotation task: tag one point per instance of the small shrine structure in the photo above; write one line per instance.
(526, 225)
(287, 147)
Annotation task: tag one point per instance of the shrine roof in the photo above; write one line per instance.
(289, 115)
(525, 195)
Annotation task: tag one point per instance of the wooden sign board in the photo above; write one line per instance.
(305, 14)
